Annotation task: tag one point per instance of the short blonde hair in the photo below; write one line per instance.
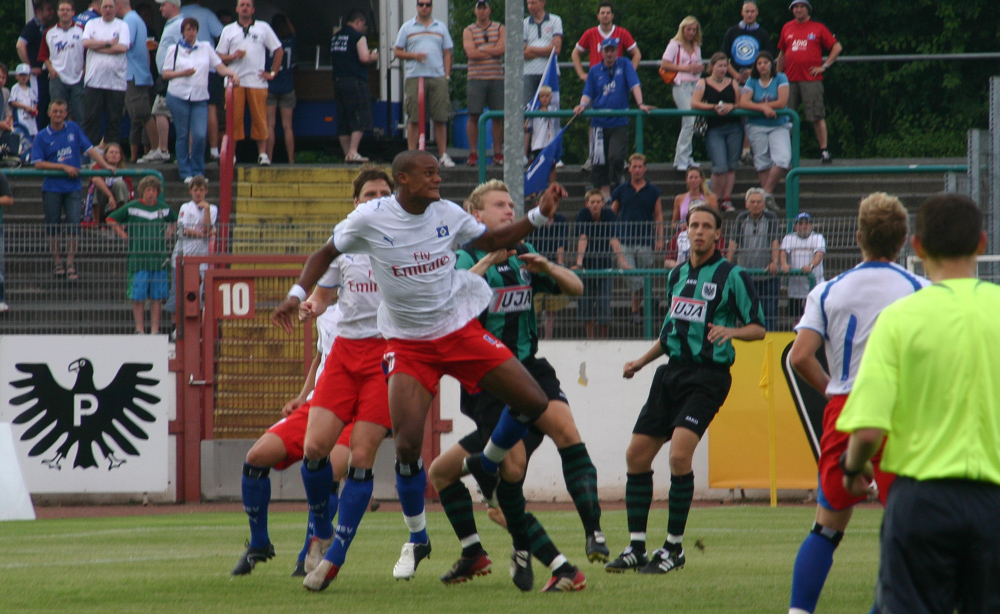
(882, 226)
(545, 89)
(475, 201)
(687, 21)
(593, 192)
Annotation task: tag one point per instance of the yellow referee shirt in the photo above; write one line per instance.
(930, 377)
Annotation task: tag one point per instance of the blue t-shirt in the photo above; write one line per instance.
(548, 239)
(284, 81)
(608, 88)
(65, 146)
(137, 54)
(766, 94)
(635, 212)
(599, 234)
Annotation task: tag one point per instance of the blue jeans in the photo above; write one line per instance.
(724, 144)
(57, 203)
(72, 94)
(191, 125)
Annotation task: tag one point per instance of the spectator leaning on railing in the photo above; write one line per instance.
(801, 250)
(755, 245)
(719, 93)
(60, 147)
(596, 226)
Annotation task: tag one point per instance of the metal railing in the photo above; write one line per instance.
(97, 303)
(792, 179)
(640, 119)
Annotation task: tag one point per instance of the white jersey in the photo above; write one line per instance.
(800, 253)
(327, 325)
(843, 311)
(191, 216)
(29, 97)
(258, 39)
(357, 295)
(106, 71)
(413, 257)
(66, 53)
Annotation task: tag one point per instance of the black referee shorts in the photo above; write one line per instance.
(485, 409)
(940, 547)
(685, 395)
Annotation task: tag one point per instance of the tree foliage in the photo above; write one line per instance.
(874, 109)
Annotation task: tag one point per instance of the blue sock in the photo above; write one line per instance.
(357, 492)
(311, 526)
(411, 486)
(256, 497)
(505, 436)
(317, 477)
(811, 568)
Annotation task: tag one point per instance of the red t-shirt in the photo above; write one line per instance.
(592, 39)
(803, 45)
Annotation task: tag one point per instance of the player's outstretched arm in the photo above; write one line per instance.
(510, 234)
(317, 264)
(569, 284)
(634, 366)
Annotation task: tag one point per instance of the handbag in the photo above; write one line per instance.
(668, 76)
(160, 87)
(701, 125)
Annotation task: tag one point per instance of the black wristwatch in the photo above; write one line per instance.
(843, 467)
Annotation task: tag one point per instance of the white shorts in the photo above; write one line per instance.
(771, 145)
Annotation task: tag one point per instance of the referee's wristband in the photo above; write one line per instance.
(536, 218)
(843, 467)
(298, 292)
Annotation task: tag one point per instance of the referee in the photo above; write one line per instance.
(928, 379)
(712, 302)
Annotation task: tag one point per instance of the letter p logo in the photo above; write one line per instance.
(83, 405)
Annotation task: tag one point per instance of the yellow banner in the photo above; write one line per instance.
(738, 445)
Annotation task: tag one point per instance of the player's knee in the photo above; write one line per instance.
(512, 472)
(680, 464)
(407, 451)
(314, 449)
(266, 454)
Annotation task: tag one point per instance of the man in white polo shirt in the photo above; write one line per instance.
(106, 41)
(243, 46)
(62, 52)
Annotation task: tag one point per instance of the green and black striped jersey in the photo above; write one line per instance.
(510, 316)
(717, 292)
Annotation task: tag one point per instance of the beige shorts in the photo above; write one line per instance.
(435, 92)
(257, 100)
(160, 108)
(810, 94)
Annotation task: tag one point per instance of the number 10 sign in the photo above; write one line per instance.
(234, 298)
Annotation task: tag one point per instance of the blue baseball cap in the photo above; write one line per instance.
(609, 42)
(803, 216)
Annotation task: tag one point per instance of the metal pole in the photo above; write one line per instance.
(513, 125)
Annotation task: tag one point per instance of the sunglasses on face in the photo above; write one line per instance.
(424, 4)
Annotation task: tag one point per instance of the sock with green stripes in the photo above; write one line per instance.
(581, 482)
(638, 498)
(681, 493)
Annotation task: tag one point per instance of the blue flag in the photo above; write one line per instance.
(536, 178)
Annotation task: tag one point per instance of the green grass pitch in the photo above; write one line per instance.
(181, 563)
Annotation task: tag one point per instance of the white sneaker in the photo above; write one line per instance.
(560, 164)
(409, 558)
(263, 160)
(154, 155)
(4, 307)
(215, 155)
(446, 161)
(317, 550)
(188, 180)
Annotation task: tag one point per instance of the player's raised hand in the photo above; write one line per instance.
(284, 316)
(549, 201)
(536, 263)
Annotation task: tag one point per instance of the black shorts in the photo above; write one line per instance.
(485, 409)
(216, 90)
(354, 105)
(683, 395)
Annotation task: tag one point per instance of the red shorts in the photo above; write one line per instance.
(292, 432)
(353, 384)
(467, 354)
(831, 479)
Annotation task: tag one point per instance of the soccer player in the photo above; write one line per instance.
(353, 390)
(928, 380)
(712, 302)
(428, 314)
(281, 447)
(284, 444)
(839, 316)
(515, 275)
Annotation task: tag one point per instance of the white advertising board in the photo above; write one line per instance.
(87, 412)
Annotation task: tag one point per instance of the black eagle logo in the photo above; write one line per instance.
(84, 414)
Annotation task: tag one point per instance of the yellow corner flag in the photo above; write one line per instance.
(765, 374)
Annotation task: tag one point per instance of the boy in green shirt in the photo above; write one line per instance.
(149, 223)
